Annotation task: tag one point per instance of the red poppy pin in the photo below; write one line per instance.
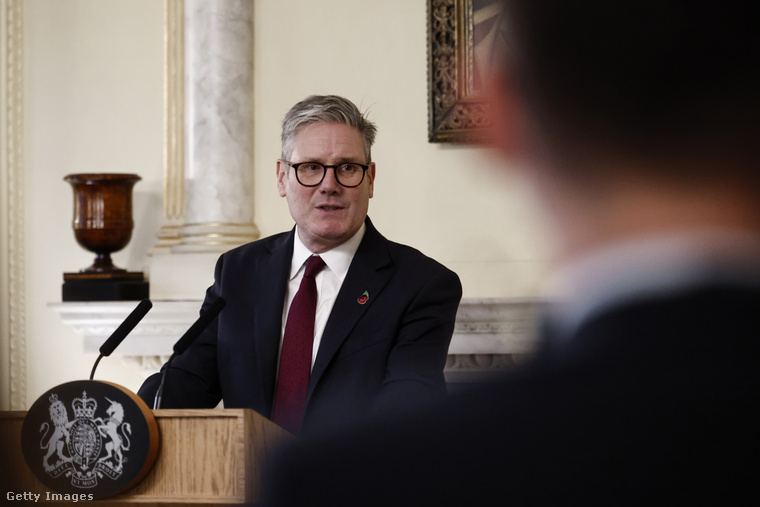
(363, 298)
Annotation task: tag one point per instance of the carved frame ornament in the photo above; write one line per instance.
(462, 38)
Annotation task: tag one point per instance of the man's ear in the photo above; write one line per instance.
(282, 173)
(371, 176)
(509, 118)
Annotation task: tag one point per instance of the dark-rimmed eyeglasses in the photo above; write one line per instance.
(311, 174)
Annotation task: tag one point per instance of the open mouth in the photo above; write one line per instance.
(329, 208)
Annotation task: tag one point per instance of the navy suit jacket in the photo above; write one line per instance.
(386, 355)
(653, 402)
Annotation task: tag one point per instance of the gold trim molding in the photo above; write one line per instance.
(174, 109)
(12, 291)
(174, 126)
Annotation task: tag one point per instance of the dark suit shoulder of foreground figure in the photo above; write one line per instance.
(655, 403)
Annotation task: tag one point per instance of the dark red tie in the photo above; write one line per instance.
(295, 357)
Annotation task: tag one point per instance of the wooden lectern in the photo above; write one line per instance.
(213, 456)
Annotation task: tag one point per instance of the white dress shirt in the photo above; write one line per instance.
(328, 281)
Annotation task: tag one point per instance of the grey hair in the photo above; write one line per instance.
(326, 109)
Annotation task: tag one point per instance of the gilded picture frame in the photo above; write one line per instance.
(463, 36)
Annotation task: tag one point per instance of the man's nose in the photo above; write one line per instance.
(329, 182)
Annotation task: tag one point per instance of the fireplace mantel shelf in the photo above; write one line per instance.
(489, 333)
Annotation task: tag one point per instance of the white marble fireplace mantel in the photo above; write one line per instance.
(490, 334)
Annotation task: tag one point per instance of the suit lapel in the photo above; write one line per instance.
(365, 274)
(271, 278)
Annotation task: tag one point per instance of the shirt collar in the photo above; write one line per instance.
(338, 259)
(653, 265)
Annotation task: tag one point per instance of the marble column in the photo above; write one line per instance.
(208, 180)
(218, 159)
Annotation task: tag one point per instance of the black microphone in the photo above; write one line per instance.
(186, 340)
(122, 331)
(198, 326)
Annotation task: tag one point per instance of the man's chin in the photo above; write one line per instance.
(336, 237)
(321, 240)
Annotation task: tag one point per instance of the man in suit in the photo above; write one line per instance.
(638, 125)
(329, 323)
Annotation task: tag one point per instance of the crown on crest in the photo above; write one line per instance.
(84, 407)
(53, 398)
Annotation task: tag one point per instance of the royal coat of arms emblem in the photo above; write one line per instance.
(101, 449)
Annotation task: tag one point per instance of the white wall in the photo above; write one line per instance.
(441, 199)
(93, 103)
(94, 76)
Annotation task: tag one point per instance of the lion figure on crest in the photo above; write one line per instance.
(60, 436)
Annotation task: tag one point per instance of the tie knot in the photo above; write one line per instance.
(313, 266)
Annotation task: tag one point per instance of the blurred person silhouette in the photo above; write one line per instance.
(639, 126)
